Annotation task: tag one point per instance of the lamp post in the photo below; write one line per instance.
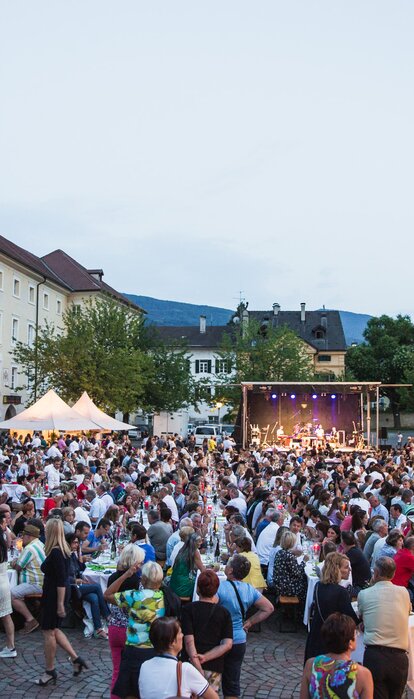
(219, 405)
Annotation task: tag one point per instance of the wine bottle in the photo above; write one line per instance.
(217, 551)
(141, 518)
(211, 542)
(215, 526)
(113, 547)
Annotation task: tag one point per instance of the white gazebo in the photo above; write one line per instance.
(86, 407)
(50, 413)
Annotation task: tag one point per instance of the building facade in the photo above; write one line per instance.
(35, 290)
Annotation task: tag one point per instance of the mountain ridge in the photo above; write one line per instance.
(164, 312)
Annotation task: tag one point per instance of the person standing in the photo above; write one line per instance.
(56, 575)
(9, 651)
(385, 608)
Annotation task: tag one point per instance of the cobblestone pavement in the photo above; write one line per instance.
(272, 667)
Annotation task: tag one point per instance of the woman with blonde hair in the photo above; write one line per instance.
(55, 584)
(131, 555)
(329, 597)
(143, 606)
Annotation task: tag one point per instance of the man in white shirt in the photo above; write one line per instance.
(237, 500)
(54, 452)
(166, 497)
(104, 496)
(267, 537)
(97, 508)
(74, 445)
(52, 472)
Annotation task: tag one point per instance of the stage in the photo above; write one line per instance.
(309, 415)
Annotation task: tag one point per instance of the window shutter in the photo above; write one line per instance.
(197, 366)
(217, 366)
(209, 366)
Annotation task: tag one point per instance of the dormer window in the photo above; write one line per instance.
(319, 333)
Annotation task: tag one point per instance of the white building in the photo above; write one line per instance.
(34, 290)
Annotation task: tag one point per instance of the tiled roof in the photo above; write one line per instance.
(334, 338)
(78, 279)
(328, 323)
(27, 259)
(192, 335)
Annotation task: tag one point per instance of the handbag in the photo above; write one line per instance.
(315, 603)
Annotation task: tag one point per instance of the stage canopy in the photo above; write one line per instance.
(49, 413)
(86, 407)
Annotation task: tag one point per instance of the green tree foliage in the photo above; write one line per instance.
(386, 355)
(106, 350)
(255, 353)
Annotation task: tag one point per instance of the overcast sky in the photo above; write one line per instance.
(197, 149)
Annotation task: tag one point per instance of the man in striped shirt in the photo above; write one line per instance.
(30, 575)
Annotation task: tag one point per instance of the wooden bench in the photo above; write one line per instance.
(290, 604)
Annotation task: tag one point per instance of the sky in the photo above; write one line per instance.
(196, 150)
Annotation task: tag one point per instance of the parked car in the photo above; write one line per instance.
(206, 431)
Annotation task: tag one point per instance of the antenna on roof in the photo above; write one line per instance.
(240, 298)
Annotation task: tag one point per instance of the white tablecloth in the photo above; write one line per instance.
(39, 503)
(100, 577)
(312, 580)
(221, 576)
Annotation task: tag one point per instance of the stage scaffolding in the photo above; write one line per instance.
(367, 390)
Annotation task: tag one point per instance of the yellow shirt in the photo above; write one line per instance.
(255, 576)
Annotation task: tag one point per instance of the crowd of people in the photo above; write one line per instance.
(176, 624)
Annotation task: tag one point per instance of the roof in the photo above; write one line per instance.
(32, 262)
(78, 279)
(328, 323)
(192, 335)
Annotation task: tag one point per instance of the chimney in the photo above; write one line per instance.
(245, 321)
(276, 309)
(203, 325)
(302, 312)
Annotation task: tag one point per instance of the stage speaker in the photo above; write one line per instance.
(383, 432)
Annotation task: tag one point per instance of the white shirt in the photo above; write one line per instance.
(265, 542)
(73, 446)
(107, 501)
(53, 452)
(361, 502)
(174, 552)
(53, 476)
(158, 679)
(240, 503)
(36, 442)
(82, 516)
(170, 502)
(97, 510)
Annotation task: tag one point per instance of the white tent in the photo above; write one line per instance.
(49, 413)
(86, 407)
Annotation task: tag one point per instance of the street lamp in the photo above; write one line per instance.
(219, 405)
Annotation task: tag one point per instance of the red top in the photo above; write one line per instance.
(50, 504)
(404, 560)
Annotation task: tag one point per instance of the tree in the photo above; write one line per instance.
(105, 349)
(254, 353)
(386, 355)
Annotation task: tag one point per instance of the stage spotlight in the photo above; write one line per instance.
(333, 396)
(274, 395)
(292, 395)
(314, 396)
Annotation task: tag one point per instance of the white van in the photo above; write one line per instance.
(206, 431)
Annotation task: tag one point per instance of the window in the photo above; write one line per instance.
(222, 366)
(46, 301)
(31, 294)
(13, 384)
(31, 334)
(16, 287)
(15, 331)
(203, 366)
(58, 307)
(324, 357)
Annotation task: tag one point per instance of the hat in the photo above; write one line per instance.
(31, 530)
